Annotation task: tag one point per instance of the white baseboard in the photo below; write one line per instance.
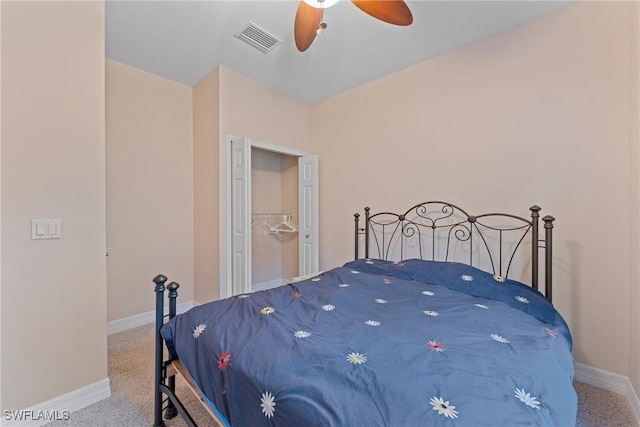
(120, 325)
(600, 378)
(609, 381)
(59, 407)
(269, 285)
(634, 401)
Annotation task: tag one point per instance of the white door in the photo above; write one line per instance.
(308, 256)
(239, 211)
(240, 216)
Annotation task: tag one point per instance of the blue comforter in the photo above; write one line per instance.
(377, 343)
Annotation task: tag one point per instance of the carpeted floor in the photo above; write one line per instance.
(131, 402)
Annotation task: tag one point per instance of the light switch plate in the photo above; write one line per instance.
(45, 229)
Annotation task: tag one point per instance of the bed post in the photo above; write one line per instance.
(171, 410)
(366, 232)
(535, 244)
(159, 280)
(548, 255)
(357, 233)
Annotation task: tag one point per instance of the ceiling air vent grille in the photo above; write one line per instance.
(257, 37)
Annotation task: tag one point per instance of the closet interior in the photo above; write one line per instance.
(274, 229)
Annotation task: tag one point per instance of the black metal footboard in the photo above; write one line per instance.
(432, 230)
(164, 383)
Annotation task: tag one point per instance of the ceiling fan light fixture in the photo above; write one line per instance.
(321, 4)
(309, 17)
(321, 28)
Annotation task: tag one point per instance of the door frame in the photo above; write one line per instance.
(226, 238)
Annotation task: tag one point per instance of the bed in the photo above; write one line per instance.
(426, 326)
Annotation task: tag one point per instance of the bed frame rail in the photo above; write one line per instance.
(434, 230)
(165, 382)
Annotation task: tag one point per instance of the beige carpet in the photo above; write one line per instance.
(131, 403)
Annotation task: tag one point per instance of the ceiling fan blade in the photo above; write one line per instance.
(392, 11)
(307, 21)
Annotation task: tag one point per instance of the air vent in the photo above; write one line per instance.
(257, 37)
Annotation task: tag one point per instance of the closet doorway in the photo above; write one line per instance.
(273, 215)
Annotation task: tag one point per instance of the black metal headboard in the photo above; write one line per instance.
(436, 230)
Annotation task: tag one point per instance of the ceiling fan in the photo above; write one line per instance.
(309, 22)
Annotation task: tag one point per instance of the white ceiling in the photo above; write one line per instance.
(185, 40)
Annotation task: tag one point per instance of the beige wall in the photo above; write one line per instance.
(0, 206)
(251, 109)
(206, 113)
(53, 166)
(266, 197)
(226, 103)
(537, 114)
(634, 197)
(149, 187)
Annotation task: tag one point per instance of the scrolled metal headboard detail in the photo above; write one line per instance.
(436, 230)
